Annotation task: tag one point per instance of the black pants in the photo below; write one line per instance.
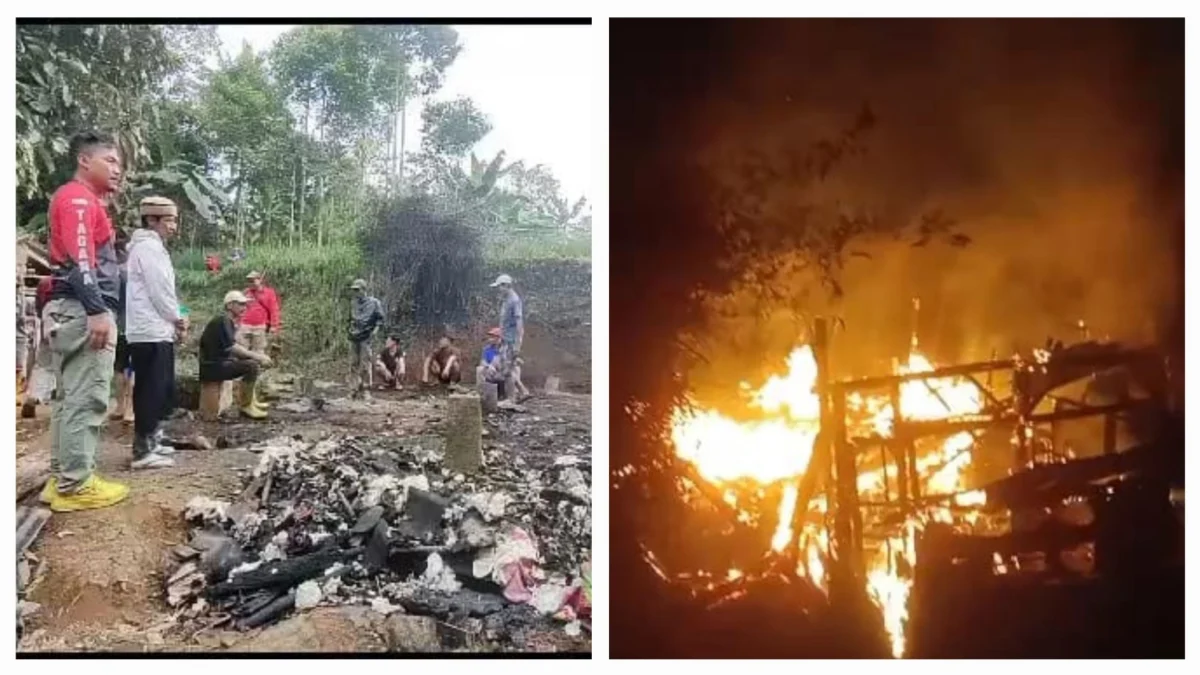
(153, 384)
(229, 369)
(121, 365)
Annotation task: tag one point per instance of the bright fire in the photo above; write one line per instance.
(779, 446)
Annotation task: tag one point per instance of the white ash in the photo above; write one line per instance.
(308, 595)
(272, 552)
(245, 567)
(323, 448)
(210, 510)
(246, 529)
(382, 606)
(438, 577)
(331, 586)
(376, 486)
(277, 452)
(490, 505)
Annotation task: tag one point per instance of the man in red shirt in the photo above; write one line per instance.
(84, 297)
(261, 319)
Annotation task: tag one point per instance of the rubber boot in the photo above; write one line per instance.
(258, 402)
(247, 404)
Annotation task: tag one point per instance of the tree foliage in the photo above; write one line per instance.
(452, 128)
(118, 78)
(303, 142)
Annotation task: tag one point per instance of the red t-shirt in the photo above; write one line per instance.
(81, 249)
(263, 308)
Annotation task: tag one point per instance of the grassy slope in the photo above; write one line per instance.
(311, 283)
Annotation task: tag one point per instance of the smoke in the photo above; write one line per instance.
(1056, 145)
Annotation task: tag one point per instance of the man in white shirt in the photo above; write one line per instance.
(152, 325)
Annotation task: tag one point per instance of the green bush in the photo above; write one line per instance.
(507, 247)
(311, 283)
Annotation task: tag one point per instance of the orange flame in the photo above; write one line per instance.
(780, 445)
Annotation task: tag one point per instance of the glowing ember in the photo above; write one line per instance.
(779, 447)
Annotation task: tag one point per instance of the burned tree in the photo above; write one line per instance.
(431, 258)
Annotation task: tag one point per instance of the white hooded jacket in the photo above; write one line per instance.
(151, 308)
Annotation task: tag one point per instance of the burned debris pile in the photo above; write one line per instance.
(380, 521)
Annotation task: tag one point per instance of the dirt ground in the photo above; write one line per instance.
(101, 572)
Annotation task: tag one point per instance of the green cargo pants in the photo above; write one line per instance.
(85, 379)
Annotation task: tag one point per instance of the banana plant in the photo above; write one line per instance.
(178, 178)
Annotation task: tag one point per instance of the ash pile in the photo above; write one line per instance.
(496, 556)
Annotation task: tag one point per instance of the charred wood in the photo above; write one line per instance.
(283, 573)
(276, 609)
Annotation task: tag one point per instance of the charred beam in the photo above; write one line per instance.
(883, 381)
(948, 427)
(1050, 482)
(276, 609)
(283, 573)
(1049, 538)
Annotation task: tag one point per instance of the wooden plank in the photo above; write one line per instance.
(32, 473)
(29, 525)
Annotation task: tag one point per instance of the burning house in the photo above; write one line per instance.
(925, 490)
(979, 492)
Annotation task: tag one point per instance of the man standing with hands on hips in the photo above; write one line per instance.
(83, 300)
(512, 334)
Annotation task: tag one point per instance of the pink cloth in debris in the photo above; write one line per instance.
(574, 606)
(519, 587)
(512, 563)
